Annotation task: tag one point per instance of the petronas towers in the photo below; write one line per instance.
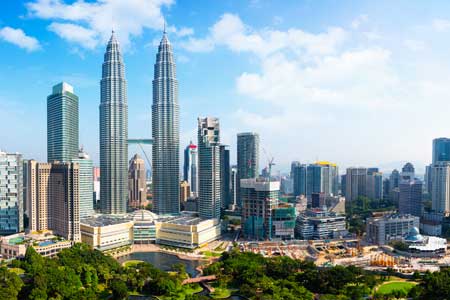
(165, 132)
(113, 132)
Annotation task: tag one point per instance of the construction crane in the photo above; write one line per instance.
(270, 160)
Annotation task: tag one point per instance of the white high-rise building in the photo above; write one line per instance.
(440, 195)
(86, 184)
(209, 167)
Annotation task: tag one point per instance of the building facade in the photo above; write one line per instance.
(209, 167)
(113, 132)
(190, 173)
(165, 132)
(137, 182)
(440, 195)
(317, 224)
(247, 158)
(86, 183)
(441, 150)
(382, 230)
(225, 176)
(11, 193)
(62, 124)
(410, 197)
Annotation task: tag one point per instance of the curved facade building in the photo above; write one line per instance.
(165, 132)
(113, 132)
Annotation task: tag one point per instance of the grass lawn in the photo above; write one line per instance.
(18, 271)
(210, 254)
(131, 263)
(187, 290)
(389, 287)
(220, 293)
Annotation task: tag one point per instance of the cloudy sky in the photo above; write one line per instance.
(359, 83)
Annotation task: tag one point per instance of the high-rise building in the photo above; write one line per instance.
(355, 181)
(62, 123)
(96, 178)
(225, 176)
(233, 183)
(190, 167)
(394, 179)
(259, 198)
(137, 182)
(407, 172)
(185, 192)
(410, 197)
(247, 157)
(11, 193)
(374, 185)
(320, 177)
(298, 175)
(86, 184)
(441, 150)
(165, 132)
(343, 184)
(209, 167)
(440, 195)
(53, 198)
(113, 132)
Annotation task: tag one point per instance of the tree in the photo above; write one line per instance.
(119, 289)
(10, 284)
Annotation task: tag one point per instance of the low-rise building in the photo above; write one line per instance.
(383, 229)
(318, 224)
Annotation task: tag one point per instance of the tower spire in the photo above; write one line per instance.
(164, 31)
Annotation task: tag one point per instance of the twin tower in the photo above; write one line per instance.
(114, 132)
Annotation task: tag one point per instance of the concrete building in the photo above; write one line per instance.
(11, 193)
(225, 176)
(382, 230)
(259, 198)
(185, 191)
(374, 184)
(318, 224)
(113, 132)
(355, 182)
(165, 132)
(234, 187)
(298, 175)
(209, 167)
(440, 195)
(408, 172)
(394, 179)
(283, 222)
(190, 167)
(410, 197)
(62, 124)
(53, 198)
(96, 178)
(137, 182)
(247, 158)
(86, 183)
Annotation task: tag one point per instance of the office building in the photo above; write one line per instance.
(374, 184)
(318, 224)
(190, 167)
(355, 180)
(96, 178)
(286, 185)
(234, 185)
(427, 179)
(381, 230)
(440, 195)
(86, 183)
(62, 124)
(54, 199)
(113, 132)
(185, 191)
(394, 179)
(11, 193)
(259, 198)
(225, 176)
(209, 167)
(137, 182)
(298, 175)
(247, 158)
(407, 172)
(320, 177)
(441, 150)
(410, 197)
(165, 132)
(343, 184)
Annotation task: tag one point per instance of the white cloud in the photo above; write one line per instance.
(89, 23)
(441, 25)
(358, 21)
(414, 45)
(19, 38)
(75, 34)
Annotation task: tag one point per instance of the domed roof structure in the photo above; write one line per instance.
(414, 236)
(144, 215)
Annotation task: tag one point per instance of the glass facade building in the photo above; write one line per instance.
(11, 193)
(86, 184)
(247, 158)
(62, 124)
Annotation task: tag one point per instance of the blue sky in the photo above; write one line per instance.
(359, 83)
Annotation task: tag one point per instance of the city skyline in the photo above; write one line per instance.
(345, 42)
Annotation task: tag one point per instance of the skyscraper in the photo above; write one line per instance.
(298, 175)
(190, 167)
(113, 132)
(86, 183)
(62, 123)
(355, 182)
(374, 184)
(165, 132)
(320, 177)
(410, 197)
(209, 167)
(440, 195)
(137, 182)
(11, 193)
(233, 182)
(407, 172)
(441, 150)
(225, 178)
(247, 157)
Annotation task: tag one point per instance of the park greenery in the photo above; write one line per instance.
(83, 273)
